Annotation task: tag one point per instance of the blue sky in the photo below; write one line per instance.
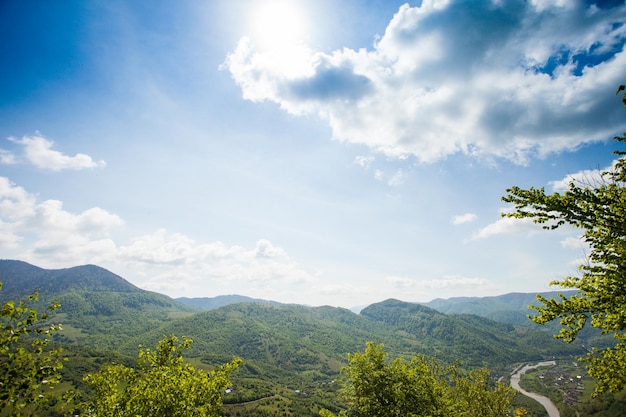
(314, 152)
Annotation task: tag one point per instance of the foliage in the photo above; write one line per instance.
(401, 388)
(619, 90)
(98, 308)
(375, 387)
(106, 320)
(477, 340)
(292, 353)
(599, 209)
(162, 385)
(29, 368)
(472, 396)
(605, 405)
(520, 412)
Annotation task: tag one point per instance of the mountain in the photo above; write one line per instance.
(102, 310)
(212, 303)
(292, 348)
(287, 338)
(474, 340)
(288, 350)
(514, 309)
(277, 338)
(20, 278)
(98, 308)
(493, 307)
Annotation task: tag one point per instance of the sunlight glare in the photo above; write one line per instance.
(278, 24)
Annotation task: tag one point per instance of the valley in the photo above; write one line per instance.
(292, 354)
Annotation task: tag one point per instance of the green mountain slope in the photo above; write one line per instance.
(303, 348)
(291, 353)
(492, 307)
(513, 309)
(298, 338)
(22, 278)
(102, 310)
(476, 341)
(277, 337)
(98, 308)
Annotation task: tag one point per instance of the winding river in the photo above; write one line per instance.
(544, 401)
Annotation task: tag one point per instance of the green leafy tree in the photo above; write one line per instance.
(399, 388)
(598, 208)
(375, 387)
(29, 368)
(473, 396)
(161, 385)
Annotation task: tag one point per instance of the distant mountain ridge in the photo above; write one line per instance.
(213, 303)
(506, 308)
(95, 278)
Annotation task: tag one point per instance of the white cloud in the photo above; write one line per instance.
(265, 249)
(47, 234)
(509, 87)
(585, 178)
(464, 218)
(507, 226)
(397, 179)
(442, 283)
(16, 205)
(574, 243)
(364, 161)
(38, 151)
(166, 258)
(7, 157)
(50, 216)
(15, 202)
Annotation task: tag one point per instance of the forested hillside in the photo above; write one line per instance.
(98, 308)
(23, 278)
(102, 310)
(491, 307)
(287, 350)
(475, 340)
(514, 308)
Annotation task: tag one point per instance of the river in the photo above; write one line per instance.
(544, 401)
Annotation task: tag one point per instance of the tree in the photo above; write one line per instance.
(374, 387)
(598, 208)
(162, 385)
(29, 369)
(471, 396)
(399, 388)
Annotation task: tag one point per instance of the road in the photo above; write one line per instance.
(545, 401)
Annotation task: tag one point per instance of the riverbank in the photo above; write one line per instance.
(550, 407)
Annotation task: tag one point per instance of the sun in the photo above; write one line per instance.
(278, 24)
